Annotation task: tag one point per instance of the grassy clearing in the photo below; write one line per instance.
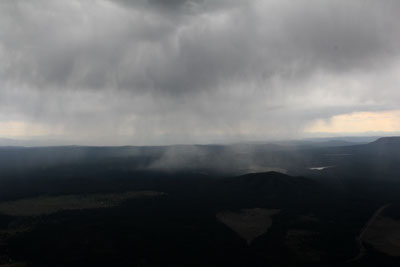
(248, 223)
(49, 204)
(15, 264)
(384, 235)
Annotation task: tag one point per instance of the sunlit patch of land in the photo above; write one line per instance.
(50, 204)
(248, 223)
(384, 235)
(14, 264)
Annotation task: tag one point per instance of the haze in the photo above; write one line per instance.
(197, 71)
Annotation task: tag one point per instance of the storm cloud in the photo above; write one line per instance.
(194, 71)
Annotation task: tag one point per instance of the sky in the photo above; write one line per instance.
(150, 72)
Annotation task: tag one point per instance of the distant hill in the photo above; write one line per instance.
(332, 143)
(387, 142)
(384, 147)
(378, 160)
(268, 189)
(269, 182)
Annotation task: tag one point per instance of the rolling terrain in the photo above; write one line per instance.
(157, 206)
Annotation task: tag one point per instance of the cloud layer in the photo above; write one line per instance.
(182, 71)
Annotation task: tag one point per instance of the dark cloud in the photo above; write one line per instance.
(173, 4)
(195, 70)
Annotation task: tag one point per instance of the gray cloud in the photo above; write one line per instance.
(195, 71)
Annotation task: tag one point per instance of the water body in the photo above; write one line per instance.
(321, 168)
